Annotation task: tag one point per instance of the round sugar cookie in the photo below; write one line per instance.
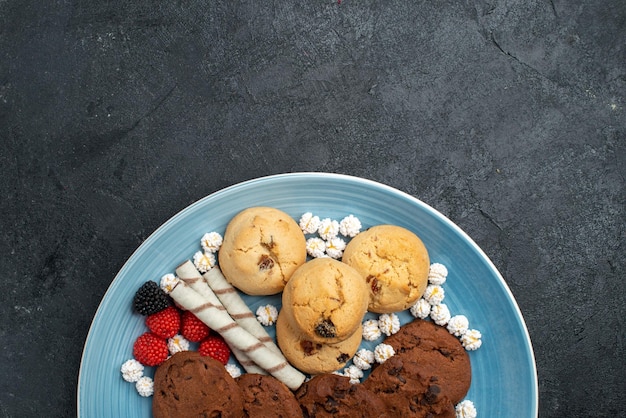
(262, 247)
(311, 357)
(393, 262)
(325, 300)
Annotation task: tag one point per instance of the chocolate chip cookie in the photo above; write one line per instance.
(191, 385)
(266, 396)
(331, 395)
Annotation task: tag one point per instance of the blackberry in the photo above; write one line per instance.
(150, 299)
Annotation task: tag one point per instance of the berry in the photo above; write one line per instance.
(192, 328)
(165, 323)
(150, 349)
(150, 299)
(215, 347)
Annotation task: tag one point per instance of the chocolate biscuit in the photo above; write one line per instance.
(191, 385)
(266, 396)
(410, 387)
(430, 343)
(332, 395)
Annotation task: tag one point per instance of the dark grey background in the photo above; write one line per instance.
(509, 117)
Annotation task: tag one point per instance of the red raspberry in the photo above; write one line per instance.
(215, 347)
(150, 349)
(192, 328)
(165, 323)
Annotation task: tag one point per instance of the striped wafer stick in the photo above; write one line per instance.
(234, 334)
(237, 308)
(188, 272)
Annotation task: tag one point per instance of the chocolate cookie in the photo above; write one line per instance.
(266, 396)
(191, 385)
(262, 247)
(430, 343)
(410, 387)
(331, 395)
(394, 263)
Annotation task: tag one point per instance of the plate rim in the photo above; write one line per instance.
(322, 175)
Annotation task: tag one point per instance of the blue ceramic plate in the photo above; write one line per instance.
(504, 379)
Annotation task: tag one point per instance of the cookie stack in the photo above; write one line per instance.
(319, 326)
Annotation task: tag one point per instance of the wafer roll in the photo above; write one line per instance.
(234, 334)
(237, 308)
(188, 272)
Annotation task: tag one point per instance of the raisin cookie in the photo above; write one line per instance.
(313, 357)
(262, 247)
(325, 300)
(394, 263)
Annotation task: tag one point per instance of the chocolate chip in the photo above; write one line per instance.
(445, 351)
(432, 394)
(394, 371)
(330, 405)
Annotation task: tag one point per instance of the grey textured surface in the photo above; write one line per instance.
(507, 116)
